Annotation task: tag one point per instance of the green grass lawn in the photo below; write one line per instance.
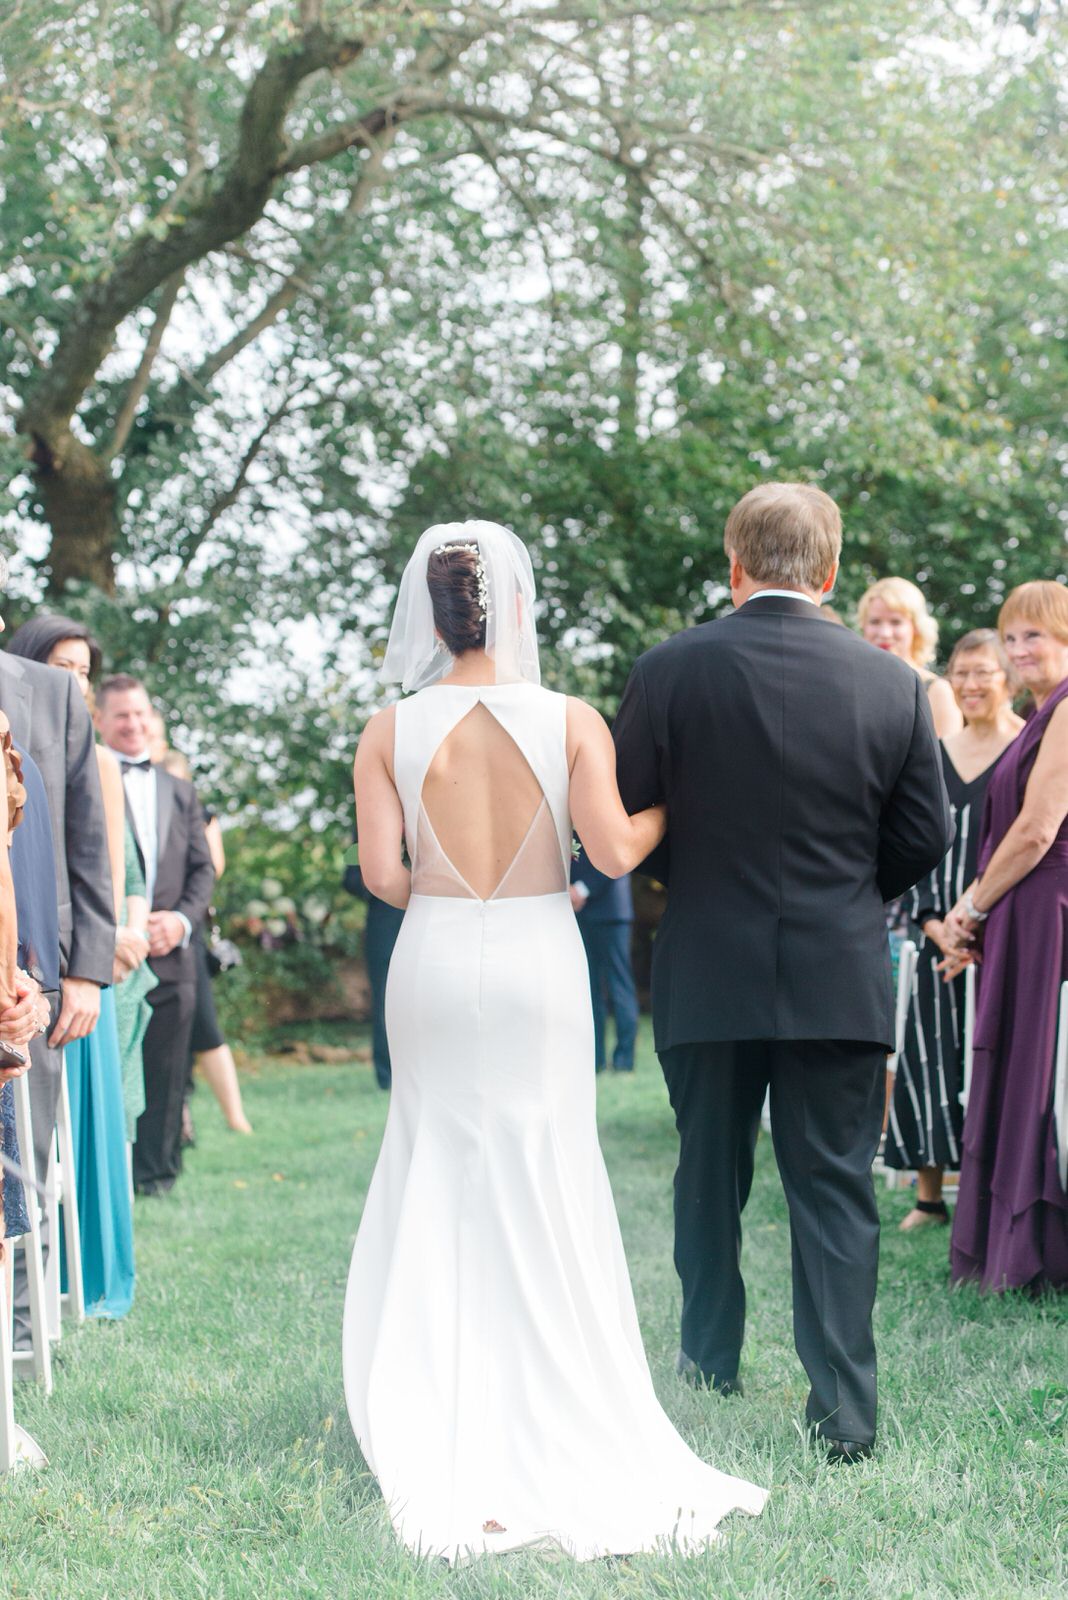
(201, 1447)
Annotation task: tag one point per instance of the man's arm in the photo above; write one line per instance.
(92, 943)
(915, 829)
(199, 871)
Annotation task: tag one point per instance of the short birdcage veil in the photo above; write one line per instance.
(415, 656)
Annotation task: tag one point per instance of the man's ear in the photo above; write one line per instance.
(737, 571)
(831, 580)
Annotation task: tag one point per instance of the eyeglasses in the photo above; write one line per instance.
(983, 676)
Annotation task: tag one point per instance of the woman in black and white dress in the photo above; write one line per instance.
(924, 1131)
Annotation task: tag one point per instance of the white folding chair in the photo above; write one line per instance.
(969, 1035)
(1060, 1088)
(37, 1361)
(907, 962)
(62, 1204)
(16, 1447)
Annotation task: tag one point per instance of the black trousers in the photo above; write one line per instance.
(157, 1155)
(826, 1116)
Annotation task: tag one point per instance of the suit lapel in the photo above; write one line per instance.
(18, 700)
(164, 811)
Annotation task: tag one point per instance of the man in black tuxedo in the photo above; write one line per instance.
(168, 823)
(605, 910)
(804, 788)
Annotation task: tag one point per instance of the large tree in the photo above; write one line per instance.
(282, 283)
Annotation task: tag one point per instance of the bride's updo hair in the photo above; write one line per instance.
(452, 578)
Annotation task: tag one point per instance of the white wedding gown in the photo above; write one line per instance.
(494, 1370)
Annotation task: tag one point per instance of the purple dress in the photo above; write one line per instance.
(1010, 1229)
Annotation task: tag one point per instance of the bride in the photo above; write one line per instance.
(494, 1370)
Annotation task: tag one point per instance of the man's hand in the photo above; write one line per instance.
(578, 899)
(166, 930)
(79, 1011)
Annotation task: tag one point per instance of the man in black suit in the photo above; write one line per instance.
(605, 910)
(168, 823)
(804, 788)
(48, 718)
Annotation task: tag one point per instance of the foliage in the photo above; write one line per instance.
(201, 1448)
(283, 283)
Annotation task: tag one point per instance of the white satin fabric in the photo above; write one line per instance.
(494, 1369)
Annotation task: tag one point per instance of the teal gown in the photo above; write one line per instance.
(99, 1118)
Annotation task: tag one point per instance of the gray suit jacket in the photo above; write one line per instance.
(48, 718)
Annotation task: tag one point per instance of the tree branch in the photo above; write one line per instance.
(225, 212)
(134, 395)
(300, 280)
(24, 336)
(221, 504)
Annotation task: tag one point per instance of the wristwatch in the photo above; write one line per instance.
(973, 910)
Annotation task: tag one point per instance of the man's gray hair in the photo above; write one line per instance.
(786, 534)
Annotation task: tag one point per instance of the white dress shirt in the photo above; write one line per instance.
(782, 594)
(140, 784)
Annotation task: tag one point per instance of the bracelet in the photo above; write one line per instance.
(973, 910)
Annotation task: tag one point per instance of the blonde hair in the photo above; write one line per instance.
(175, 763)
(1043, 602)
(785, 533)
(898, 594)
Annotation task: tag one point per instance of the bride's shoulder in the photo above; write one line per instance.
(377, 735)
(585, 724)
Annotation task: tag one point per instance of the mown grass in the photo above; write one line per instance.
(201, 1448)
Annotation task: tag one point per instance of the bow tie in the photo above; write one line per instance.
(135, 766)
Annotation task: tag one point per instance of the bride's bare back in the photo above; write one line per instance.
(485, 829)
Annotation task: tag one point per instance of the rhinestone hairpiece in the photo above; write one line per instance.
(480, 573)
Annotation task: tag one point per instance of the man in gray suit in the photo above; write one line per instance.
(48, 718)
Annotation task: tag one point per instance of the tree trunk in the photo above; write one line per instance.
(78, 499)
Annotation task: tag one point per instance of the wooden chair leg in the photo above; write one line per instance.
(38, 1360)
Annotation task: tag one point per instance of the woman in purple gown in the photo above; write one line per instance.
(1010, 1230)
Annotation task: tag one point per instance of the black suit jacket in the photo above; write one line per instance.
(48, 718)
(804, 787)
(185, 876)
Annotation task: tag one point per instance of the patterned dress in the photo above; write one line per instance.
(925, 1113)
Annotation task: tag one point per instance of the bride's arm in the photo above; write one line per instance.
(379, 814)
(614, 842)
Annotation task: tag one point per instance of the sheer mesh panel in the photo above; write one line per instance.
(485, 828)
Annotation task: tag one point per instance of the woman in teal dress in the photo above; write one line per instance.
(94, 1067)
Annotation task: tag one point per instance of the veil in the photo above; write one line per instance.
(415, 656)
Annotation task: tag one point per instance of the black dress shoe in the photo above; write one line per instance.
(690, 1372)
(844, 1452)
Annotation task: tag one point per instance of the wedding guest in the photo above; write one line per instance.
(169, 826)
(924, 1133)
(94, 1063)
(1010, 1228)
(49, 720)
(380, 930)
(605, 910)
(209, 1051)
(893, 615)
